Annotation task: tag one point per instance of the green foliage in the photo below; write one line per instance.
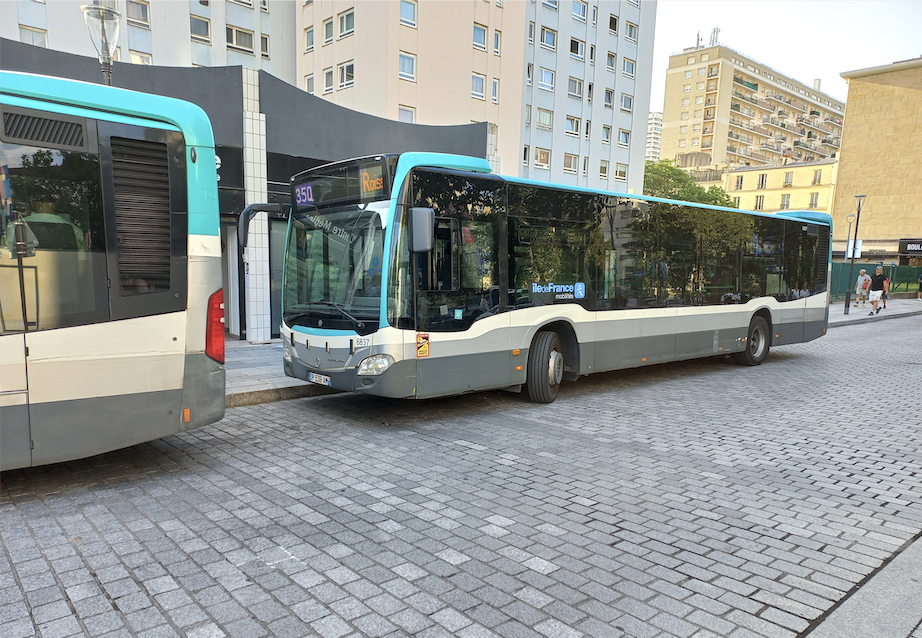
(662, 179)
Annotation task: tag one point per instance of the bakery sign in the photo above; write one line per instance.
(911, 247)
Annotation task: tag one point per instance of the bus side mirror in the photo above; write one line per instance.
(422, 229)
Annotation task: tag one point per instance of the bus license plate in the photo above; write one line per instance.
(321, 379)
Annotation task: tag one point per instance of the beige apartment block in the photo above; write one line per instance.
(724, 110)
(797, 186)
(881, 155)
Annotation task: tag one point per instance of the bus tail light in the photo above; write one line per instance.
(214, 327)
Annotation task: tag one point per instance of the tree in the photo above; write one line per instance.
(662, 179)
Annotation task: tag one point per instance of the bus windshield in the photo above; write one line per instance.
(333, 267)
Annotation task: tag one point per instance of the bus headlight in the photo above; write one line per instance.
(375, 364)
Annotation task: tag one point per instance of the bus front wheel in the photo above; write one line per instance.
(545, 367)
(757, 344)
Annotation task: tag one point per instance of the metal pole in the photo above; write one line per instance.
(851, 270)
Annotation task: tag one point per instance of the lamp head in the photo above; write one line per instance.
(859, 200)
(102, 24)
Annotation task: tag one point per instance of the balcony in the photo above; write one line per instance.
(836, 121)
(764, 104)
(783, 113)
(796, 105)
(804, 121)
(814, 113)
(743, 97)
(774, 148)
(831, 141)
(760, 130)
(750, 85)
(735, 107)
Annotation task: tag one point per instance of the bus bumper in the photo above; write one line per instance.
(398, 382)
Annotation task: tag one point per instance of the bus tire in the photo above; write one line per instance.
(545, 367)
(757, 344)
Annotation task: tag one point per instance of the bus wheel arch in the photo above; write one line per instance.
(758, 340)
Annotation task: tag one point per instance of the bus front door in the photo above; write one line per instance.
(15, 438)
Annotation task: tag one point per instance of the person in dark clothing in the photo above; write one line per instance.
(878, 288)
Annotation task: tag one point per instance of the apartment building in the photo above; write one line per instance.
(559, 83)
(654, 136)
(254, 34)
(796, 186)
(722, 108)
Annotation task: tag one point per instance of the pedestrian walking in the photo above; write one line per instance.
(877, 288)
(861, 287)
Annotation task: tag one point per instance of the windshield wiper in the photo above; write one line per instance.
(327, 304)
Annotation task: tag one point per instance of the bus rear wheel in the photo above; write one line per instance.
(757, 344)
(545, 367)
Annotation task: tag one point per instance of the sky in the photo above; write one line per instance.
(802, 39)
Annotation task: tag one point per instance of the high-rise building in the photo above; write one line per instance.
(654, 136)
(559, 83)
(724, 109)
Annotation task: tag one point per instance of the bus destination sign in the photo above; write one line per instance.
(344, 184)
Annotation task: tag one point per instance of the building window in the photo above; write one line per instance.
(309, 40)
(579, 10)
(684, 116)
(497, 42)
(610, 61)
(586, 163)
(572, 126)
(570, 163)
(589, 92)
(346, 74)
(785, 201)
(609, 98)
(264, 5)
(495, 90)
(264, 45)
(529, 71)
(407, 66)
(528, 115)
(577, 49)
(603, 169)
(347, 23)
(686, 88)
(328, 80)
(695, 141)
(531, 32)
(682, 143)
(814, 200)
(630, 33)
(309, 84)
(525, 157)
(575, 88)
(545, 79)
(817, 177)
(542, 158)
(552, 4)
(760, 201)
(688, 74)
(627, 102)
(139, 13)
(595, 18)
(789, 179)
(606, 134)
(699, 99)
(624, 138)
(621, 172)
(628, 67)
(700, 86)
(763, 178)
(328, 31)
(239, 39)
(406, 114)
(545, 118)
(136, 57)
(684, 129)
(478, 82)
(739, 182)
(686, 101)
(588, 127)
(736, 202)
(548, 38)
(480, 37)
(698, 114)
(591, 54)
(35, 37)
(613, 24)
(200, 28)
(408, 13)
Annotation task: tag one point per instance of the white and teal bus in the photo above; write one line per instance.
(111, 302)
(423, 275)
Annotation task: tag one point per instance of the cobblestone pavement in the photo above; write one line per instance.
(692, 499)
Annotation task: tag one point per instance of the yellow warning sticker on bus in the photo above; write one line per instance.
(422, 345)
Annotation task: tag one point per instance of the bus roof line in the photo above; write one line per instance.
(189, 118)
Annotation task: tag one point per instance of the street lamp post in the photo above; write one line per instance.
(859, 200)
(102, 25)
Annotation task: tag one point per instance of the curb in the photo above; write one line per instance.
(270, 395)
(868, 319)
